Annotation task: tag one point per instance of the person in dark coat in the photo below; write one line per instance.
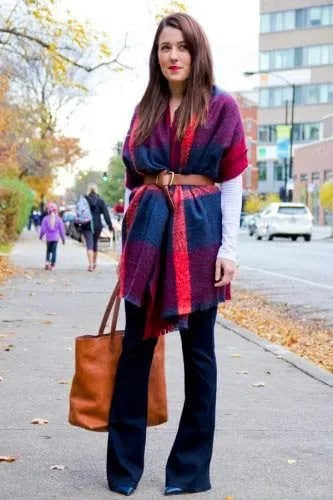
(91, 231)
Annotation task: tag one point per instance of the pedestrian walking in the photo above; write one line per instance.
(53, 228)
(184, 155)
(92, 230)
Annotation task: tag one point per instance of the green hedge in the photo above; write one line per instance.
(16, 199)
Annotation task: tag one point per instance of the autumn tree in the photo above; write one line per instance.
(114, 186)
(34, 27)
(253, 204)
(166, 8)
(326, 197)
(8, 116)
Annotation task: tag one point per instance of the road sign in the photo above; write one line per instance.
(283, 141)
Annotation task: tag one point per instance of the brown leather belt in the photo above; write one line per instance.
(167, 178)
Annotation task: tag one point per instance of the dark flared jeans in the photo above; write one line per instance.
(188, 463)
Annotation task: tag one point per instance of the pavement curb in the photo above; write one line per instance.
(293, 359)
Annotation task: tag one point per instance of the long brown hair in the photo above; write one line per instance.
(194, 106)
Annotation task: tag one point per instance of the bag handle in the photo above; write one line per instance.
(114, 300)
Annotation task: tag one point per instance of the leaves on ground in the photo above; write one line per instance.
(57, 467)
(6, 269)
(259, 384)
(8, 458)
(291, 461)
(9, 347)
(60, 381)
(39, 421)
(282, 324)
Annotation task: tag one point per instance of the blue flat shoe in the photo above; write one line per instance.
(173, 490)
(123, 490)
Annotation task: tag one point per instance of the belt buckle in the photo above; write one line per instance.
(169, 172)
(172, 177)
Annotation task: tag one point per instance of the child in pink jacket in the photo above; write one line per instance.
(53, 228)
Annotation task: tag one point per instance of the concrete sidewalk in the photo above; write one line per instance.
(273, 441)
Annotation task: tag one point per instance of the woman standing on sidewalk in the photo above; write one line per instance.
(179, 249)
(53, 228)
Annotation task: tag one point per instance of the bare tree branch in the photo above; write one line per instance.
(48, 46)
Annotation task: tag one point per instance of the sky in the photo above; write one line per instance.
(103, 119)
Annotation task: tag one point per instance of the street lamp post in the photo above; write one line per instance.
(291, 133)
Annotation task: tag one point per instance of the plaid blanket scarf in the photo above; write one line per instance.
(168, 258)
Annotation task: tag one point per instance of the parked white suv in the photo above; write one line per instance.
(287, 220)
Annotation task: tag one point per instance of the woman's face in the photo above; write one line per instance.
(173, 56)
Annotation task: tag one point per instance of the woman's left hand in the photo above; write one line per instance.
(225, 270)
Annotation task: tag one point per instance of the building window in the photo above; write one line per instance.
(328, 175)
(277, 21)
(265, 61)
(330, 92)
(248, 125)
(303, 177)
(265, 23)
(315, 176)
(262, 170)
(278, 171)
(311, 131)
(302, 132)
(264, 96)
(304, 94)
(314, 55)
(314, 16)
(299, 18)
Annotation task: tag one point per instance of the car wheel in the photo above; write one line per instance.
(307, 237)
(294, 238)
(270, 237)
(258, 237)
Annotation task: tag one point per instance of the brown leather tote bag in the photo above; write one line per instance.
(96, 360)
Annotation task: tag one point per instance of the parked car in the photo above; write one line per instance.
(73, 231)
(288, 220)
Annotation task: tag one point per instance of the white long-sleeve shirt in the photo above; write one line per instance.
(231, 204)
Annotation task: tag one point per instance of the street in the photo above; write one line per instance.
(296, 273)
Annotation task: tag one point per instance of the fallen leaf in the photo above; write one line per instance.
(46, 322)
(7, 459)
(32, 294)
(291, 461)
(68, 348)
(57, 467)
(283, 325)
(244, 372)
(259, 384)
(236, 355)
(8, 347)
(39, 421)
(268, 372)
(62, 382)
(228, 497)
